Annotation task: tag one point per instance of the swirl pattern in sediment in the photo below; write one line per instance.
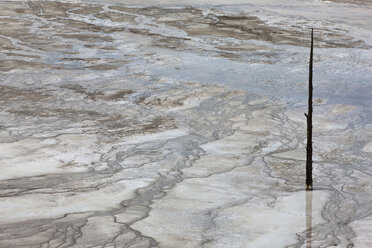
(117, 132)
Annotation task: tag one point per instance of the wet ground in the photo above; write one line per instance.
(180, 124)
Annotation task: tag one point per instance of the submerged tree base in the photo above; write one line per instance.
(309, 187)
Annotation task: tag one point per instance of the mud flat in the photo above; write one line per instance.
(163, 124)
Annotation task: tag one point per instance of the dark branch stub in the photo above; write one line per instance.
(309, 117)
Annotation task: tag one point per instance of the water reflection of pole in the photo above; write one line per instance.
(309, 217)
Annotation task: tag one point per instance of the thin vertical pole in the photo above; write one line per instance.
(309, 117)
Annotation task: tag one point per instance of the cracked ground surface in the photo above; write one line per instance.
(167, 124)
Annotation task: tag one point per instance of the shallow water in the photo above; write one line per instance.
(180, 124)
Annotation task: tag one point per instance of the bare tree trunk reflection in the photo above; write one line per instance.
(309, 217)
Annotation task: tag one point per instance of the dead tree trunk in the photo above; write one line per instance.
(309, 117)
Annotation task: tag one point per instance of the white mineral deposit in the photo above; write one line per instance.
(180, 124)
